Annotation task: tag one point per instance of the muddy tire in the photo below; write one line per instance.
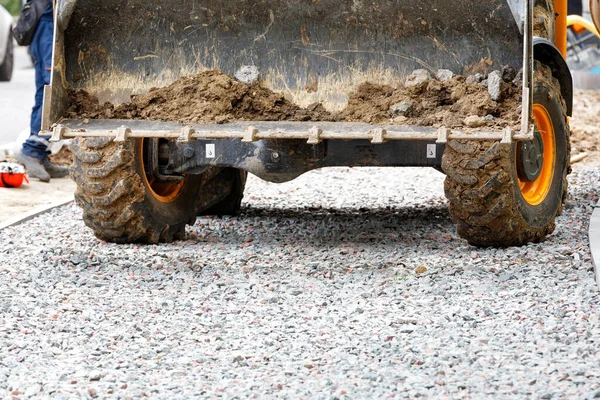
(492, 202)
(6, 66)
(119, 202)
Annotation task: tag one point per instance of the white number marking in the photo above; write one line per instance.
(431, 150)
(210, 150)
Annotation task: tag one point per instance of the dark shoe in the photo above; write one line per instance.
(34, 166)
(55, 171)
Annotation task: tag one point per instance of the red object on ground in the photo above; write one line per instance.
(12, 175)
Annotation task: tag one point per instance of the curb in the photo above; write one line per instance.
(32, 214)
(594, 238)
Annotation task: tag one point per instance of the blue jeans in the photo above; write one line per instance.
(41, 49)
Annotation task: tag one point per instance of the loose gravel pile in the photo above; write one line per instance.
(323, 288)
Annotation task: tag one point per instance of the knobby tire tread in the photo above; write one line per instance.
(112, 196)
(481, 191)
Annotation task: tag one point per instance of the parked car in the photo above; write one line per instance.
(6, 45)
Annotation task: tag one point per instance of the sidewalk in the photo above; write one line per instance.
(15, 202)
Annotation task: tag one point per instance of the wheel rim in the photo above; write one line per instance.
(162, 191)
(536, 191)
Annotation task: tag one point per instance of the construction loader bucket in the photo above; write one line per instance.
(113, 48)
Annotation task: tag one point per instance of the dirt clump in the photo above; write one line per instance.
(543, 19)
(446, 103)
(214, 97)
(210, 96)
(64, 157)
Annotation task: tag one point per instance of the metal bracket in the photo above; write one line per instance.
(527, 93)
(122, 134)
(314, 135)
(58, 133)
(186, 134)
(250, 135)
(521, 137)
(507, 134)
(443, 133)
(378, 135)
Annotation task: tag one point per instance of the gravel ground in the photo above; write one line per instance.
(345, 283)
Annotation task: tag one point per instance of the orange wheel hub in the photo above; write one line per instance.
(160, 190)
(165, 191)
(535, 192)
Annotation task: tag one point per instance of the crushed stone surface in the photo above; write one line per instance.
(323, 288)
(212, 96)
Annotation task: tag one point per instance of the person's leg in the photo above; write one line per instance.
(34, 153)
(41, 48)
(35, 149)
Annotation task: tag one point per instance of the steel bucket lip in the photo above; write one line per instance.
(328, 130)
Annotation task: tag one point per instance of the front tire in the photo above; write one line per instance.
(492, 201)
(121, 202)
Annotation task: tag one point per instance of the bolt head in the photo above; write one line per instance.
(188, 152)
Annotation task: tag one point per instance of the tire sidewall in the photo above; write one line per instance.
(540, 215)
